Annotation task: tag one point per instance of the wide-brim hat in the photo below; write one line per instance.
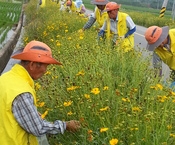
(155, 36)
(99, 2)
(112, 6)
(36, 51)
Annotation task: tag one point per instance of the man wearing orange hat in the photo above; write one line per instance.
(99, 14)
(161, 41)
(119, 26)
(20, 122)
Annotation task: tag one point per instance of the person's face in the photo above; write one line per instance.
(37, 70)
(101, 7)
(163, 43)
(112, 14)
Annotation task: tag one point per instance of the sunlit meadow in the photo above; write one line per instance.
(112, 93)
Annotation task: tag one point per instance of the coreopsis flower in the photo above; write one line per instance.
(41, 104)
(169, 127)
(113, 141)
(80, 73)
(136, 109)
(104, 109)
(105, 88)
(72, 88)
(37, 86)
(44, 114)
(69, 113)
(158, 86)
(66, 104)
(47, 73)
(103, 129)
(87, 96)
(58, 44)
(81, 37)
(66, 31)
(95, 91)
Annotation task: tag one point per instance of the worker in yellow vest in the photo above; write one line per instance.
(99, 15)
(80, 7)
(119, 27)
(20, 122)
(161, 40)
(71, 6)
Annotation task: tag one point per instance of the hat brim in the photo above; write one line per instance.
(99, 3)
(107, 10)
(163, 36)
(38, 58)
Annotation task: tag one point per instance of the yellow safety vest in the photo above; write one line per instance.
(73, 7)
(126, 44)
(100, 17)
(13, 83)
(168, 57)
(43, 3)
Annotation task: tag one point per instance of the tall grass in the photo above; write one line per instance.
(113, 94)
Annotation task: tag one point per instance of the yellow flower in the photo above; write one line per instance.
(81, 37)
(80, 73)
(105, 88)
(169, 127)
(87, 96)
(69, 113)
(136, 109)
(125, 100)
(69, 38)
(67, 103)
(58, 44)
(66, 31)
(41, 104)
(37, 86)
(95, 91)
(158, 86)
(103, 129)
(44, 114)
(113, 141)
(104, 109)
(47, 73)
(72, 88)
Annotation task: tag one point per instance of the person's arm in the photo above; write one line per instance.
(90, 22)
(130, 25)
(157, 64)
(27, 116)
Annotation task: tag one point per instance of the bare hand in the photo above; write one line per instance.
(72, 125)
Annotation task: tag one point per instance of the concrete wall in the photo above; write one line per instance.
(8, 48)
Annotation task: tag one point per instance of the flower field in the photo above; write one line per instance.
(113, 93)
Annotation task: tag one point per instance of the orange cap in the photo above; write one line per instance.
(112, 6)
(69, 3)
(155, 36)
(38, 52)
